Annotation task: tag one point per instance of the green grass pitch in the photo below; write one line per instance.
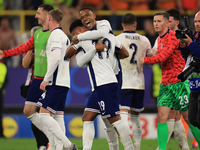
(98, 144)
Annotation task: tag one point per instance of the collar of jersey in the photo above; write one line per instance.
(111, 32)
(92, 29)
(164, 34)
(45, 30)
(58, 28)
(129, 32)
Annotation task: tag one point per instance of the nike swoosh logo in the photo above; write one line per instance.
(103, 113)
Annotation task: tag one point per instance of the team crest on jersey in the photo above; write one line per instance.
(161, 46)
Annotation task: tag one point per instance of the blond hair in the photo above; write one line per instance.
(56, 14)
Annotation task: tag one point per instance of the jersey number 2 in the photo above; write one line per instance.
(133, 47)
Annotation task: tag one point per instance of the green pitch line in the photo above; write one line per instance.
(98, 144)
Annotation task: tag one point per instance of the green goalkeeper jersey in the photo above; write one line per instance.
(40, 63)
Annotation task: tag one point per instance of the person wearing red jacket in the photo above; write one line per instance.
(173, 93)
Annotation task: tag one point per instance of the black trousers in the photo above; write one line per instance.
(194, 109)
(40, 137)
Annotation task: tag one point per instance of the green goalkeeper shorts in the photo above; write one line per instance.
(174, 96)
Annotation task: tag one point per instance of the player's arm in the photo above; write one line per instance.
(121, 50)
(83, 57)
(54, 57)
(184, 50)
(194, 48)
(149, 51)
(123, 53)
(27, 59)
(29, 45)
(71, 50)
(94, 34)
(164, 54)
(52, 60)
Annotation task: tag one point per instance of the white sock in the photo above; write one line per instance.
(137, 131)
(179, 132)
(60, 120)
(88, 134)
(111, 135)
(55, 129)
(124, 118)
(123, 134)
(35, 118)
(170, 125)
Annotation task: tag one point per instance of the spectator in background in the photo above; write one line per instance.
(139, 5)
(8, 40)
(152, 4)
(2, 7)
(166, 4)
(95, 5)
(14, 5)
(184, 5)
(116, 5)
(55, 3)
(150, 32)
(3, 81)
(70, 14)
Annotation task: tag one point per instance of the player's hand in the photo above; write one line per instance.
(186, 40)
(141, 60)
(101, 47)
(154, 51)
(1, 54)
(75, 39)
(43, 86)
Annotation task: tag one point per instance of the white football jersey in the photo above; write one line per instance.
(57, 65)
(99, 68)
(132, 72)
(102, 23)
(114, 60)
(103, 28)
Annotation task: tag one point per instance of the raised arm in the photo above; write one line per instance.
(94, 34)
(29, 45)
(103, 29)
(164, 54)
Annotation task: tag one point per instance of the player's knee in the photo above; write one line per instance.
(28, 112)
(162, 117)
(86, 118)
